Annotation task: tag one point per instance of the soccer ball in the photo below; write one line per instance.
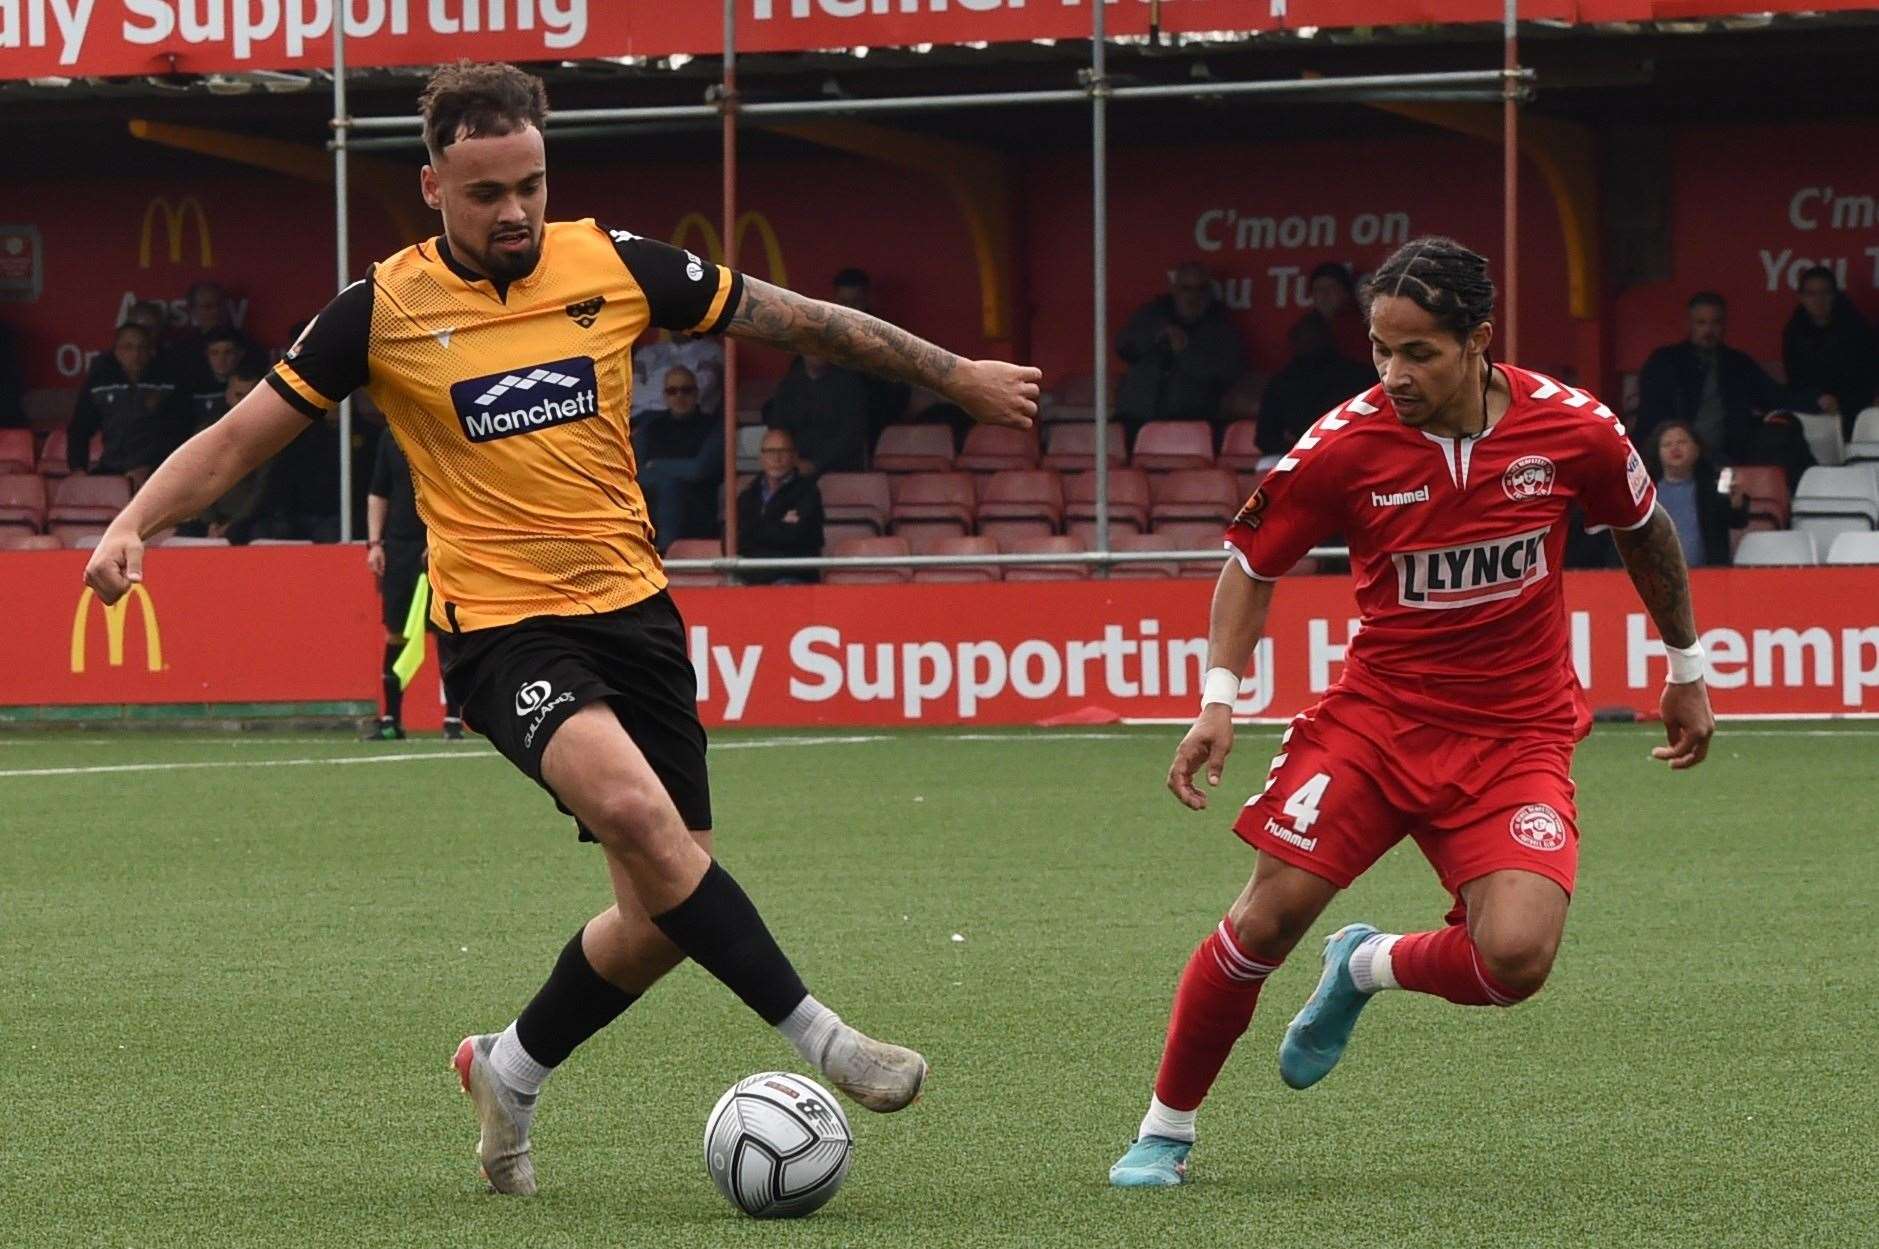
(777, 1145)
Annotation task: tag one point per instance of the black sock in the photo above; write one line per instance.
(719, 929)
(394, 689)
(575, 1003)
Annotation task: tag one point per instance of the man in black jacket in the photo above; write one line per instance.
(133, 404)
(779, 515)
(1183, 351)
(1829, 348)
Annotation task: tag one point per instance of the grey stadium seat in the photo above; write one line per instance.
(1776, 547)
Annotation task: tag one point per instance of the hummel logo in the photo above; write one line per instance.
(586, 312)
(535, 377)
(1399, 498)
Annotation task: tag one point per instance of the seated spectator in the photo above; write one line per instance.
(1687, 487)
(680, 453)
(652, 360)
(12, 387)
(299, 498)
(825, 409)
(139, 412)
(779, 515)
(234, 508)
(223, 352)
(1831, 354)
(887, 400)
(1314, 381)
(1334, 298)
(186, 359)
(1182, 350)
(1733, 407)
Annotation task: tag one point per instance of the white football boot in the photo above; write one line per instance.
(502, 1114)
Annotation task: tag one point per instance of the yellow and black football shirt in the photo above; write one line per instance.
(511, 404)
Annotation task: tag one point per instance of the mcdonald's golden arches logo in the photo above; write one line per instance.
(175, 217)
(114, 615)
(714, 242)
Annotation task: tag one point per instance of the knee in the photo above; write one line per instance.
(626, 817)
(1519, 961)
(1268, 930)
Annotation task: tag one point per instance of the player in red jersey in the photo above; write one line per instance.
(1457, 711)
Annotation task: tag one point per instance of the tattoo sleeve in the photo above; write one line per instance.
(1653, 556)
(782, 318)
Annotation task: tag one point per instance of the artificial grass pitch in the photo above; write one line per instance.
(230, 994)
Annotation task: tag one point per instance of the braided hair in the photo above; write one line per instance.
(1443, 278)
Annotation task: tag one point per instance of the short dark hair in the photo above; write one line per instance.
(852, 276)
(1446, 280)
(1336, 270)
(470, 100)
(223, 335)
(1819, 271)
(1707, 299)
(133, 327)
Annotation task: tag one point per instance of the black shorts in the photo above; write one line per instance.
(404, 560)
(517, 684)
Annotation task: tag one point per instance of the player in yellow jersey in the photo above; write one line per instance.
(499, 353)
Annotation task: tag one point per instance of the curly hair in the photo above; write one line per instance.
(1443, 278)
(470, 100)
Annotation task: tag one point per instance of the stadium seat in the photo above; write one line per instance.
(1056, 544)
(694, 548)
(1072, 448)
(1191, 535)
(838, 531)
(960, 572)
(1128, 499)
(1766, 486)
(1054, 413)
(1825, 437)
(1782, 547)
(78, 535)
(16, 451)
(22, 501)
(1164, 445)
(1854, 548)
(914, 449)
(49, 408)
(750, 448)
(1865, 442)
(930, 502)
(1023, 503)
(12, 539)
(857, 497)
(173, 540)
(883, 547)
(1248, 482)
(87, 498)
(1144, 570)
(1834, 500)
(1209, 494)
(997, 448)
(1239, 447)
(53, 460)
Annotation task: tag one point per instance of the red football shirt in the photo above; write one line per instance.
(1456, 546)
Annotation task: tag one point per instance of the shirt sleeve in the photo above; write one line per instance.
(1615, 488)
(1294, 509)
(683, 293)
(328, 361)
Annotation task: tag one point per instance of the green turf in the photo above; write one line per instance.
(228, 996)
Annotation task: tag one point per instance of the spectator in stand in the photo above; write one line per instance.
(139, 412)
(680, 453)
(1735, 409)
(232, 510)
(153, 316)
(825, 409)
(12, 387)
(223, 352)
(887, 399)
(1687, 486)
(1182, 351)
(186, 360)
(1315, 380)
(779, 515)
(1333, 295)
(300, 497)
(1831, 354)
(704, 356)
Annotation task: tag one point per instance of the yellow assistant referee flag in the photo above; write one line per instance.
(411, 658)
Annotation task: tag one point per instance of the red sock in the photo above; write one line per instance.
(1444, 963)
(1212, 1007)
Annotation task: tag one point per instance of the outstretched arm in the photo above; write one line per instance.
(1238, 617)
(992, 391)
(1654, 558)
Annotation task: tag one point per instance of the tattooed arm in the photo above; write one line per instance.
(990, 390)
(1653, 556)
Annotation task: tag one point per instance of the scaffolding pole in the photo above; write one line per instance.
(1099, 266)
(728, 103)
(1510, 191)
(342, 237)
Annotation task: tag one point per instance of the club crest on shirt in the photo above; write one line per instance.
(1250, 513)
(1538, 827)
(1528, 477)
(586, 312)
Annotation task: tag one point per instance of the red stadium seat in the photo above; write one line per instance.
(78, 535)
(53, 460)
(16, 451)
(86, 498)
(914, 449)
(960, 572)
(1767, 488)
(1192, 535)
(12, 539)
(1210, 494)
(1239, 446)
(1164, 445)
(1057, 544)
(695, 548)
(1128, 499)
(996, 448)
(1073, 447)
(835, 531)
(22, 501)
(856, 497)
(929, 501)
(1249, 482)
(1023, 502)
(1144, 542)
(868, 576)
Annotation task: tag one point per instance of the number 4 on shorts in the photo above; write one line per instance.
(1302, 806)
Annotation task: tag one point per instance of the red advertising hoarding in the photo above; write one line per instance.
(298, 625)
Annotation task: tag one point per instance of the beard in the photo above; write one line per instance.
(507, 266)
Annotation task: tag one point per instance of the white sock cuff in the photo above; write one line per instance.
(1165, 1120)
(517, 1067)
(809, 1028)
(1371, 969)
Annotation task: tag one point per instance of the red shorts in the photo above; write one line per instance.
(1352, 778)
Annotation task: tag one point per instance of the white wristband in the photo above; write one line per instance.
(1222, 686)
(1686, 663)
